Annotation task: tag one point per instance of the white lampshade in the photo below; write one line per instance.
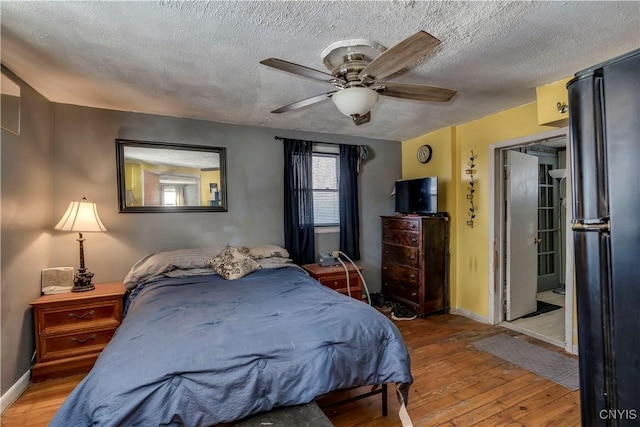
(355, 100)
(558, 173)
(81, 216)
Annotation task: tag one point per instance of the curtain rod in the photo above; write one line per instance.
(315, 142)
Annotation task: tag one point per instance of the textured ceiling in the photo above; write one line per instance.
(201, 59)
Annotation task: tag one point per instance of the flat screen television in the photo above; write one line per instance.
(417, 196)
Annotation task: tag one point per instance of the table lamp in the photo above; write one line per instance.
(82, 217)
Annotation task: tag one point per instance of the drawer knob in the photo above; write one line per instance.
(413, 226)
(89, 313)
(384, 268)
(413, 276)
(386, 252)
(414, 239)
(83, 340)
(413, 258)
(335, 282)
(413, 294)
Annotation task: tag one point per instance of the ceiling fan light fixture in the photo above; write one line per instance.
(355, 100)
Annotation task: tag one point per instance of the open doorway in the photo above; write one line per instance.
(529, 287)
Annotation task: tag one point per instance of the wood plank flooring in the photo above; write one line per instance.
(454, 385)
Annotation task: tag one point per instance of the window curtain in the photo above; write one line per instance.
(299, 234)
(348, 201)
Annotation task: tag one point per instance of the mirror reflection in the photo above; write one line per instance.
(10, 105)
(164, 177)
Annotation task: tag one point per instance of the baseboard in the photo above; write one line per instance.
(15, 391)
(470, 314)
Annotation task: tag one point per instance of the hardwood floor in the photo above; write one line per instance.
(454, 385)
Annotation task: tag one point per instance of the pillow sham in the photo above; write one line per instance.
(267, 251)
(232, 263)
(274, 262)
(157, 263)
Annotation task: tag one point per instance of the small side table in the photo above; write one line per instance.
(71, 329)
(335, 278)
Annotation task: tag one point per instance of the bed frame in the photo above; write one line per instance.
(374, 391)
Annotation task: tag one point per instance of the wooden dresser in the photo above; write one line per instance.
(71, 329)
(415, 262)
(333, 277)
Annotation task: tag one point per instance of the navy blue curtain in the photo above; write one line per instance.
(348, 201)
(299, 236)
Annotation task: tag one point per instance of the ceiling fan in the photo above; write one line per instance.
(357, 67)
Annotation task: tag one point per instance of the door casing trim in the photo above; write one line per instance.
(496, 249)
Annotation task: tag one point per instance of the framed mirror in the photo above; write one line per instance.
(166, 177)
(10, 106)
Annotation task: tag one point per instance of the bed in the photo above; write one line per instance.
(196, 349)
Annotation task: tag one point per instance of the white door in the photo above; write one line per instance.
(522, 234)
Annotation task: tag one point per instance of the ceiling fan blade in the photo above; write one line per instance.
(300, 70)
(360, 120)
(304, 102)
(400, 56)
(416, 92)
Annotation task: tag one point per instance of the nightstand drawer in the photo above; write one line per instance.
(74, 344)
(340, 282)
(87, 315)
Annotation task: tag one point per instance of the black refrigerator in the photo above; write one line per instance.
(604, 121)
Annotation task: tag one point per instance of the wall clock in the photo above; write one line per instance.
(424, 153)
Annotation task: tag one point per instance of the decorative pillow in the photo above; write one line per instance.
(267, 251)
(233, 264)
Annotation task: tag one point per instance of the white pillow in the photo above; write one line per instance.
(158, 263)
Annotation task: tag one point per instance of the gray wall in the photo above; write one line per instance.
(84, 165)
(27, 209)
(67, 152)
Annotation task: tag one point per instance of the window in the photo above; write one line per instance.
(325, 175)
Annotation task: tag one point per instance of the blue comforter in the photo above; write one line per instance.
(198, 351)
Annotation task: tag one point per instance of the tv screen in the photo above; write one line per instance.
(417, 196)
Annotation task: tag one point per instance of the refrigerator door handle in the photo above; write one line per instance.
(598, 224)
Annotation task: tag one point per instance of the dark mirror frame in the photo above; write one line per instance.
(121, 144)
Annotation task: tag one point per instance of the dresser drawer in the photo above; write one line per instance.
(401, 223)
(73, 317)
(74, 344)
(401, 273)
(401, 237)
(398, 288)
(402, 255)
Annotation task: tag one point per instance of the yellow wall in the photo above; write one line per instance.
(442, 165)
(206, 178)
(451, 151)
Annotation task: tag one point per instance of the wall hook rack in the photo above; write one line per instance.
(471, 189)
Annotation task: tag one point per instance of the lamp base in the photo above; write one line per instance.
(82, 281)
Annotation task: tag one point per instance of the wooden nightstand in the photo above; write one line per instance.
(71, 329)
(333, 277)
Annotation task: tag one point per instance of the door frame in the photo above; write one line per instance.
(496, 232)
